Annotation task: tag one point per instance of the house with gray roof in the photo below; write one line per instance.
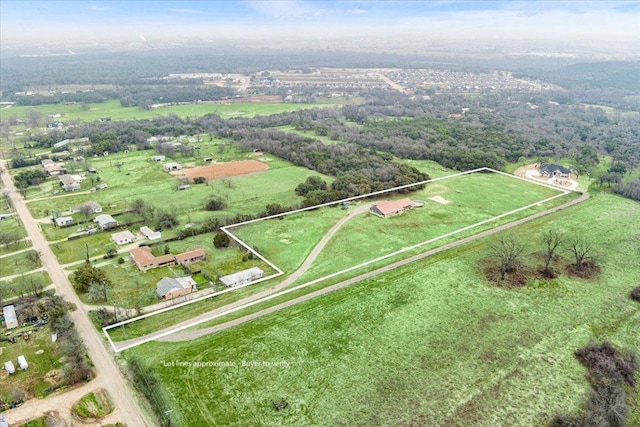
(105, 221)
(171, 287)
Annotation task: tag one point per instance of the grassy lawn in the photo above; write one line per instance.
(431, 343)
(43, 357)
(18, 263)
(115, 111)
(12, 226)
(24, 284)
(474, 198)
(287, 241)
(68, 251)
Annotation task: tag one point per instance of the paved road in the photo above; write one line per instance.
(108, 375)
(292, 278)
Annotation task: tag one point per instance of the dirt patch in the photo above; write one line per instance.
(440, 199)
(221, 170)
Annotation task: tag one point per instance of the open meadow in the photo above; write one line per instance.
(113, 110)
(432, 343)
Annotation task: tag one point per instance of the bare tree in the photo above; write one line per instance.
(582, 251)
(87, 211)
(552, 240)
(508, 252)
(34, 257)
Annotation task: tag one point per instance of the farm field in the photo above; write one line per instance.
(431, 343)
(115, 111)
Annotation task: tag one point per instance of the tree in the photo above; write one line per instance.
(552, 240)
(97, 292)
(215, 204)
(34, 257)
(87, 275)
(166, 219)
(87, 211)
(221, 240)
(508, 252)
(582, 251)
(119, 166)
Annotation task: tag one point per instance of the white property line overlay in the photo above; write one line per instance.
(563, 192)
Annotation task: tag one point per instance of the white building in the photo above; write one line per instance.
(242, 277)
(150, 234)
(10, 317)
(63, 221)
(123, 237)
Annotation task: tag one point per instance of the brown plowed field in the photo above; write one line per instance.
(222, 170)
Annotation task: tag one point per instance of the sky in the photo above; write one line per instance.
(148, 21)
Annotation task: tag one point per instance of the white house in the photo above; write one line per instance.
(150, 234)
(172, 166)
(10, 318)
(157, 158)
(242, 277)
(123, 237)
(63, 221)
(68, 183)
(105, 221)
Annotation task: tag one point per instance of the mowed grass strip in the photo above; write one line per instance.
(431, 343)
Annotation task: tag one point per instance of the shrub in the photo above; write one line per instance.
(215, 205)
(199, 180)
(635, 293)
(221, 240)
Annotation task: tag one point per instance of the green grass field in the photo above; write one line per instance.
(326, 140)
(23, 285)
(431, 343)
(474, 198)
(19, 263)
(115, 111)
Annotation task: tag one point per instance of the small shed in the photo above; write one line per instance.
(22, 362)
(8, 366)
(184, 187)
(10, 317)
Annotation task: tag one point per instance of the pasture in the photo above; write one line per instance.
(431, 343)
(474, 198)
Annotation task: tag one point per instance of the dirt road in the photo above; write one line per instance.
(108, 375)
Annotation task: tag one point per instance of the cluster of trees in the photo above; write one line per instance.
(629, 190)
(611, 375)
(76, 368)
(510, 255)
(29, 177)
(357, 170)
